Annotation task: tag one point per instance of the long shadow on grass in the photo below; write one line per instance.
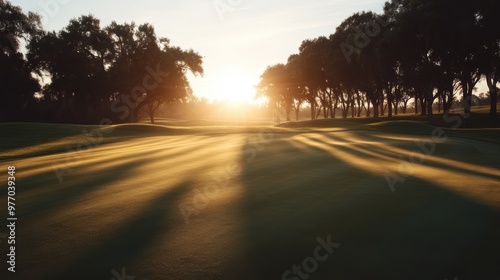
(63, 195)
(365, 153)
(124, 247)
(293, 195)
(21, 135)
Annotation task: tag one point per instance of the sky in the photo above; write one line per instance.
(238, 39)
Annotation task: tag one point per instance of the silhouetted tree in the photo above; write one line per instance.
(274, 86)
(487, 19)
(76, 59)
(118, 70)
(17, 86)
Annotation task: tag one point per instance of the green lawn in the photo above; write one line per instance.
(272, 191)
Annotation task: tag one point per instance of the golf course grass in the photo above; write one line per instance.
(215, 201)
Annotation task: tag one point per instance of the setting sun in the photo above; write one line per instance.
(235, 85)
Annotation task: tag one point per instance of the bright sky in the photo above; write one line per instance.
(238, 40)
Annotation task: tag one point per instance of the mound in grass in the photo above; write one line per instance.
(209, 123)
(36, 139)
(19, 135)
(329, 123)
(407, 127)
(483, 109)
(141, 130)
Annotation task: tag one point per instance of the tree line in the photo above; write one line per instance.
(422, 50)
(86, 72)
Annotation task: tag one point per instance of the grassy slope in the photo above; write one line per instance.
(119, 207)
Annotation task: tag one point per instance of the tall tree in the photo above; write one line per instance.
(487, 19)
(355, 45)
(174, 86)
(17, 86)
(273, 85)
(120, 69)
(76, 59)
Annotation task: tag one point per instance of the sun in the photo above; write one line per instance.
(235, 86)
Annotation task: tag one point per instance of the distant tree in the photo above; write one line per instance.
(274, 86)
(174, 87)
(146, 71)
(487, 19)
(76, 59)
(120, 69)
(17, 86)
(443, 42)
(309, 77)
(296, 88)
(357, 60)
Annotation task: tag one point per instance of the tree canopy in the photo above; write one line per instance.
(17, 86)
(86, 72)
(422, 49)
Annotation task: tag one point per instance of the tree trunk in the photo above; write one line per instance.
(467, 98)
(494, 101)
(325, 108)
(360, 108)
(390, 98)
(416, 105)
(335, 106)
(152, 117)
(492, 85)
(440, 100)
(375, 108)
(133, 115)
(313, 110)
(430, 102)
(375, 111)
(423, 107)
(353, 108)
(288, 111)
(297, 112)
(396, 106)
(319, 112)
(448, 102)
(345, 107)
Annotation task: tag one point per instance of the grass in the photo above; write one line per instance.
(280, 189)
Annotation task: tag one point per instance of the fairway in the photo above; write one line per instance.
(234, 203)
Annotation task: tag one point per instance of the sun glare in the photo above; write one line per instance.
(234, 86)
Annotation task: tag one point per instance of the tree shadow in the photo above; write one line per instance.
(363, 152)
(294, 193)
(61, 197)
(125, 245)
